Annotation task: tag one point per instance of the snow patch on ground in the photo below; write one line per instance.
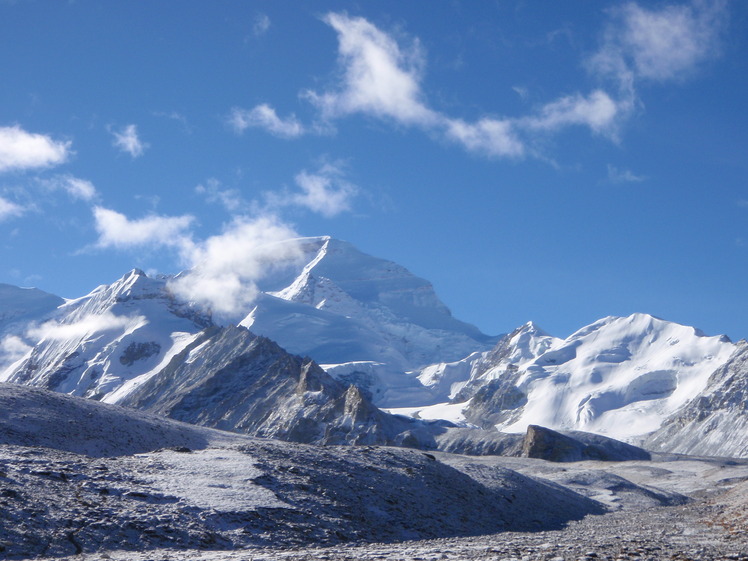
(219, 479)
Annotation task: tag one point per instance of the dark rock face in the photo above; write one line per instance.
(233, 380)
(479, 442)
(139, 351)
(547, 444)
(498, 400)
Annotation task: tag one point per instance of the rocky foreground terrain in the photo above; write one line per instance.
(84, 480)
(703, 530)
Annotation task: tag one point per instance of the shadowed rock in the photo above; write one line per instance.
(576, 446)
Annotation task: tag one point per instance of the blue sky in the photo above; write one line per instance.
(548, 161)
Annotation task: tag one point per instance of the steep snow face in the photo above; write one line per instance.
(714, 423)
(619, 376)
(94, 345)
(459, 378)
(345, 306)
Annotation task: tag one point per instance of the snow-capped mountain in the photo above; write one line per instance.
(715, 422)
(376, 327)
(620, 376)
(94, 345)
(364, 318)
(134, 343)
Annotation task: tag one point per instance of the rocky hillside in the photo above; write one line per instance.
(231, 379)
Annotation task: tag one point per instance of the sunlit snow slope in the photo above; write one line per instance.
(115, 336)
(620, 376)
(343, 306)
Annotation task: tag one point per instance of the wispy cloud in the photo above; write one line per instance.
(261, 25)
(74, 186)
(21, 150)
(378, 77)
(9, 209)
(222, 271)
(264, 117)
(225, 268)
(616, 175)
(381, 77)
(597, 111)
(117, 231)
(488, 136)
(127, 140)
(53, 330)
(12, 349)
(660, 44)
(325, 191)
(230, 199)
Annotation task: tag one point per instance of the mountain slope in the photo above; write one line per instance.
(232, 492)
(230, 379)
(20, 305)
(95, 345)
(620, 377)
(19, 308)
(715, 422)
(348, 306)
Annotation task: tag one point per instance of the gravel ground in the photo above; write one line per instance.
(709, 529)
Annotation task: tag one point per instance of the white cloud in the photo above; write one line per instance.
(616, 175)
(12, 349)
(492, 137)
(660, 44)
(381, 78)
(325, 192)
(53, 330)
(378, 77)
(230, 199)
(263, 116)
(75, 187)
(9, 209)
(226, 267)
(24, 150)
(117, 231)
(598, 111)
(261, 25)
(128, 141)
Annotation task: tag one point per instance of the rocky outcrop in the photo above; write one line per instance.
(231, 379)
(547, 444)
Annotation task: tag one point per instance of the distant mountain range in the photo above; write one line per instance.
(396, 367)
